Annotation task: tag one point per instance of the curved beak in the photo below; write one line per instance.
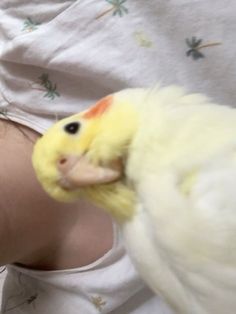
(77, 171)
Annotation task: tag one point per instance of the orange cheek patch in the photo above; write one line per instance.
(99, 108)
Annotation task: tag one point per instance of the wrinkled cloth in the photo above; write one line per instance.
(57, 58)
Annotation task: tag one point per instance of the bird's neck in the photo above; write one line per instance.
(117, 199)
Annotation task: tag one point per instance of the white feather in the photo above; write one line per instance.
(183, 237)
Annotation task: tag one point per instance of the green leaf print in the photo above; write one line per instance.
(117, 8)
(51, 89)
(30, 25)
(196, 45)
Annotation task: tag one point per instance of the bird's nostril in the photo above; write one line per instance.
(66, 163)
(62, 161)
(62, 164)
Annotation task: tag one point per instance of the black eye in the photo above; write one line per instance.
(72, 128)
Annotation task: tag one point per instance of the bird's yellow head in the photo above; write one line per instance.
(85, 155)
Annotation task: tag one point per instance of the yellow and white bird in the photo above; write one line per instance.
(163, 163)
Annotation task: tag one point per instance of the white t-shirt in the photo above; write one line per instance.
(57, 57)
(109, 285)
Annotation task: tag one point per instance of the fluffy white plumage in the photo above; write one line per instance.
(183, 236)
(181, 163)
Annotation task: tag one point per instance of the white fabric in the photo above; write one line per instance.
(109, 285)
(2, 278)
(88, 56)
(57, 57)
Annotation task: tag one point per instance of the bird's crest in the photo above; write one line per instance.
(99, 108)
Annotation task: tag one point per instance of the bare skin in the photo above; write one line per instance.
(35, 230)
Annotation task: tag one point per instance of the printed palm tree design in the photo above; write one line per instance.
(117, 7)
(29, 300)
(30, 25)
(23, 297)
(196, 45)
(98, 302)
(143, 39)
(47, 85)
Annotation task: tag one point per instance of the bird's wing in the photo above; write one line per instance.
(190, 224)
(196, 204)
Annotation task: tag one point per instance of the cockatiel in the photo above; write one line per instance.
(163, 163)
